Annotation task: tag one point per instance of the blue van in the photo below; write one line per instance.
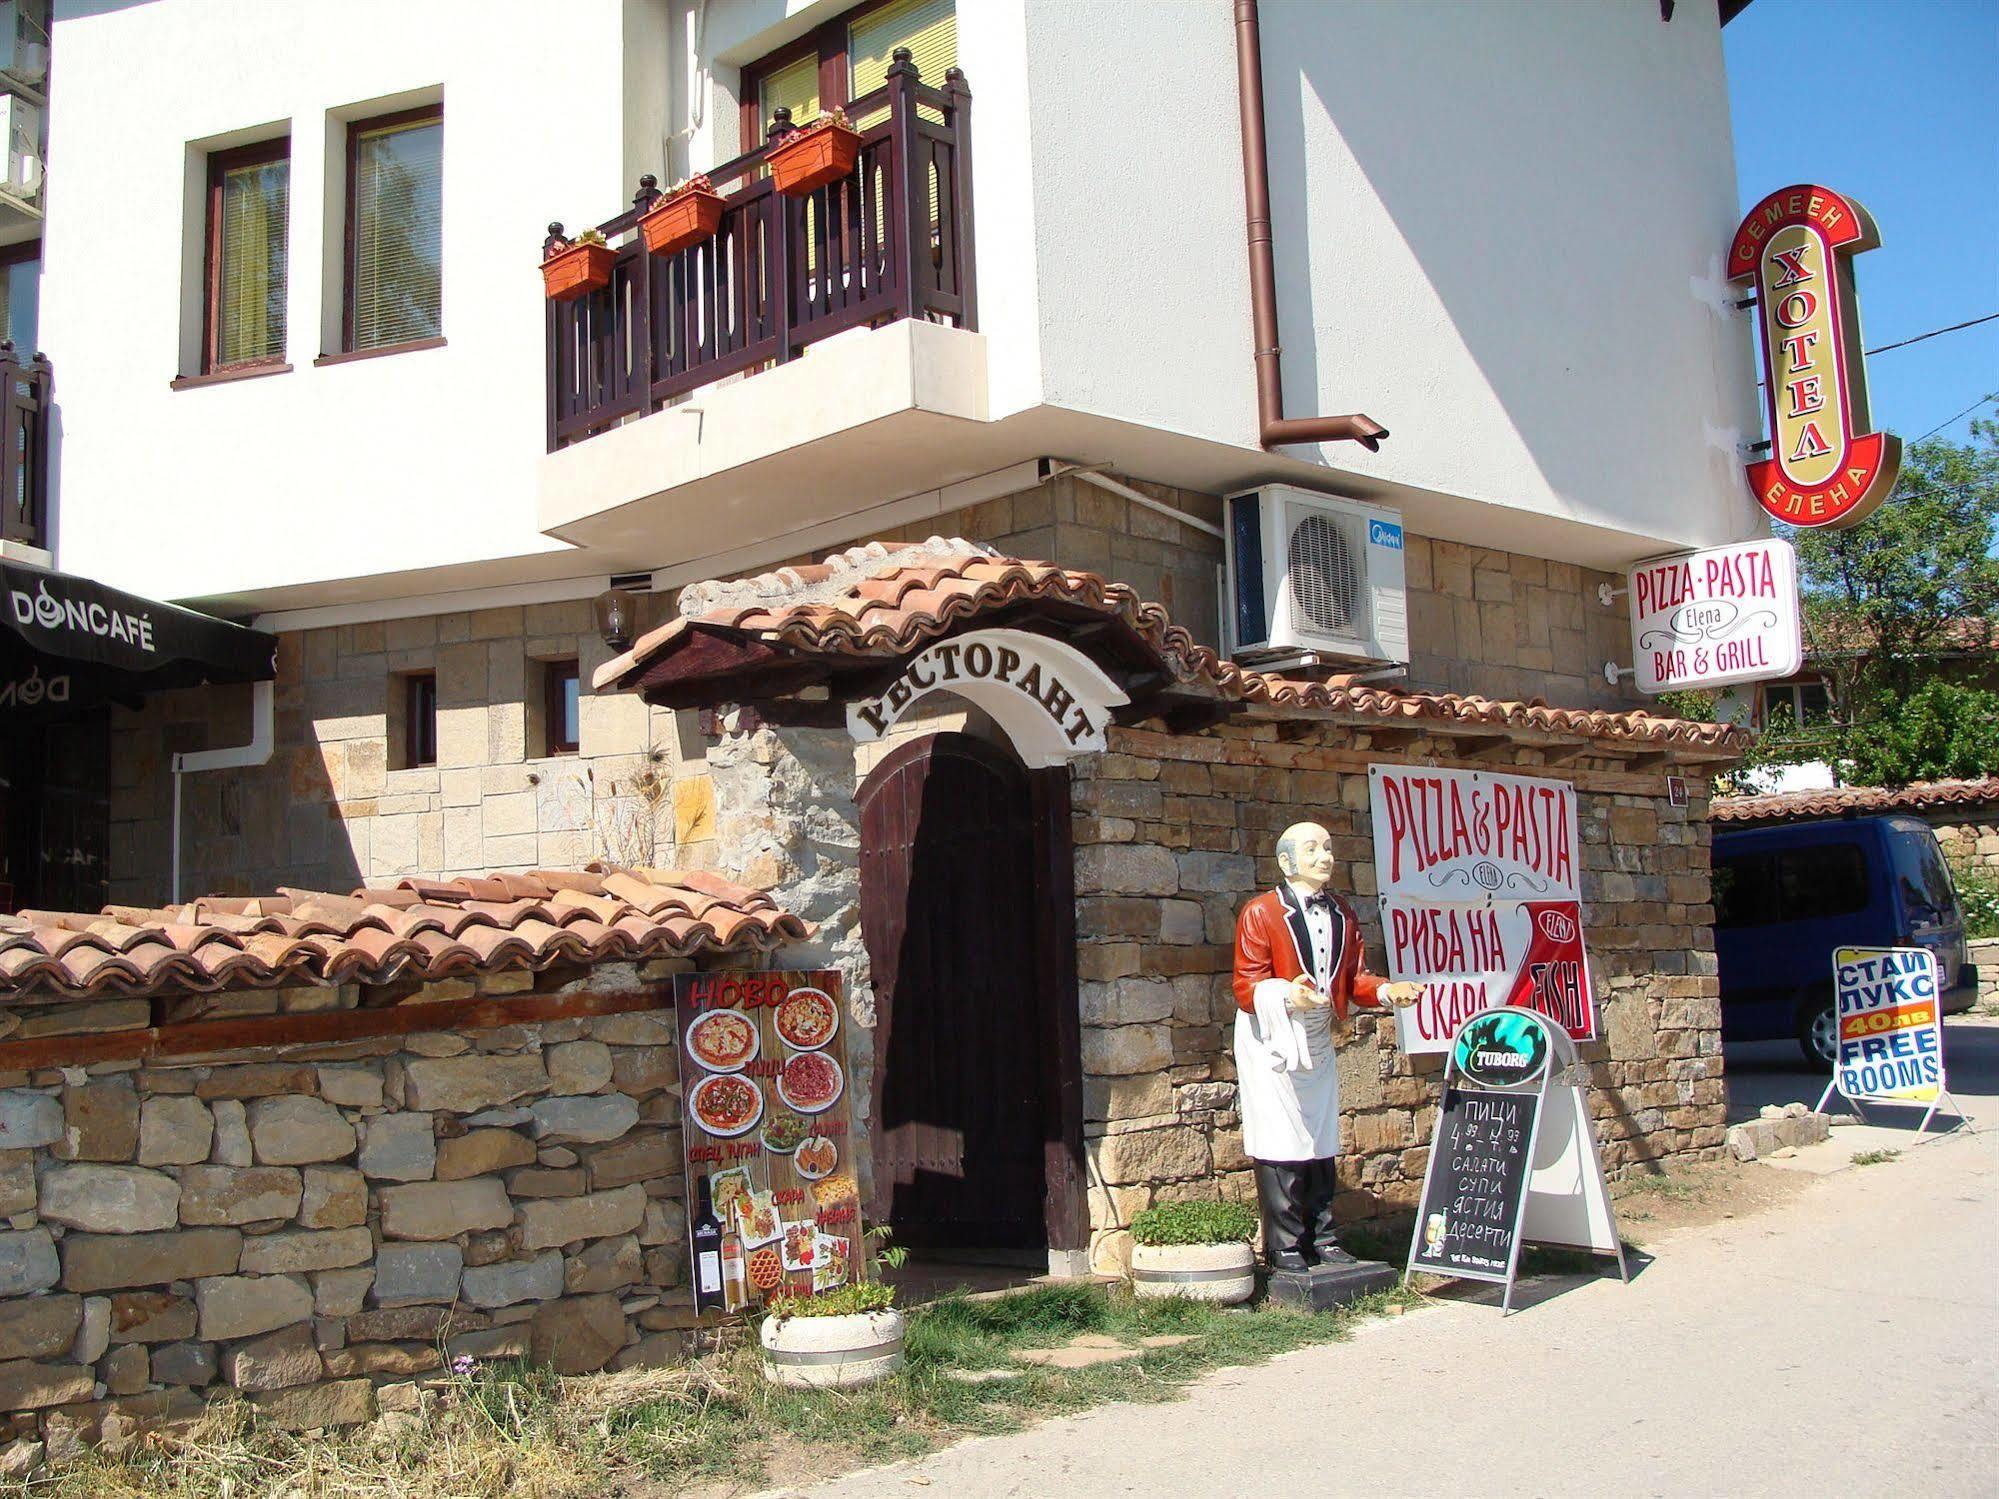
(1785, 897)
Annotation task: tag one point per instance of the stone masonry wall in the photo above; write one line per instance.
(1969, 836)
(1173, 833)
(314, 1226)
(331, 812)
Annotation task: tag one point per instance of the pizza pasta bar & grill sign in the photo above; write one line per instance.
(1716, 617)
(766, 1128)
(1480, 898)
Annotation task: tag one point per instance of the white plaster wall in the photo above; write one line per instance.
(402, 463)
(1499, 232)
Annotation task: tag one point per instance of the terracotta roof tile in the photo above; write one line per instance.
(1794, 806)
(420, 929)
(871, 601)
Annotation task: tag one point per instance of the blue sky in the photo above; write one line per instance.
(1908, 93)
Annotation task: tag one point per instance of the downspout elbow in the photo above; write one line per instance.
(1358, 427)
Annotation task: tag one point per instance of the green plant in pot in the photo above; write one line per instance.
(837, 1339)
(1201, 1250)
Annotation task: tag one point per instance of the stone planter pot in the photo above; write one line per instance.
(1204, 1272)
(837, 1353)
(577, 271)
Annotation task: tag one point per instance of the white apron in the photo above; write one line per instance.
(1286, 1080)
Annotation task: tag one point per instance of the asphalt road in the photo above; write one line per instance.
(1846, 1342)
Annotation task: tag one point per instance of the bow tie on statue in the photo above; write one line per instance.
(1319, 902)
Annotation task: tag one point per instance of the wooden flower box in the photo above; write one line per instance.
(682, 218)
(577, 271)
(823, 152)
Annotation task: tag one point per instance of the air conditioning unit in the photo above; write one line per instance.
(1314, 575)
(21, 126)
(24, 41)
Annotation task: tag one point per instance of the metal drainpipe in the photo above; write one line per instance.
(1275, 429)
(234, 757)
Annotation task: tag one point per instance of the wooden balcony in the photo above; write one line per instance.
(891, 240)
(27, 396)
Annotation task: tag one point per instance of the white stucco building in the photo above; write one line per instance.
(306, 376)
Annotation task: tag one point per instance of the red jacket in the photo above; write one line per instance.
(1270, 936)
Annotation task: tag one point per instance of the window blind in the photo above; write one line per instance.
(396, 274)
(250, 277)
(795, 88)
(928, 28)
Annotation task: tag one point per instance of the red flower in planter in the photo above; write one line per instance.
(580, 267)
(822, 152)
(681, 217)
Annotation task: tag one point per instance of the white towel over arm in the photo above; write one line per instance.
(1290, 1105)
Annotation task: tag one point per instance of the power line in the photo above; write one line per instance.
(1964, 413)
(1936, 333)
(1920, 337)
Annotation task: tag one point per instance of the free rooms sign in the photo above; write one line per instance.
(1890, 1025)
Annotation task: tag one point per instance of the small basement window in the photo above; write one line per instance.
(562, 703)
(413, 720)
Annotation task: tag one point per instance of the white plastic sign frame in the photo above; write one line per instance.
(1566, 1201)
(1715, 618)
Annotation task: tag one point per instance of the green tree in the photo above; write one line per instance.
(1885, 598)
(1918, 572)
(1939, 730)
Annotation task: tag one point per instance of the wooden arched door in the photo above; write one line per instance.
(953, 913)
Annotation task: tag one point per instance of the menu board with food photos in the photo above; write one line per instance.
(766, 1126)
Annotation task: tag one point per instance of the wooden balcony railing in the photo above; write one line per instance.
(27, 395)
(891, 240)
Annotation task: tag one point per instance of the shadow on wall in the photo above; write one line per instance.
(243, 832)
(1603, 94)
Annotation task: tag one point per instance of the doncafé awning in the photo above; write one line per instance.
(68, 643)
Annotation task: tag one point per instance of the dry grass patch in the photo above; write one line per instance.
(507, 1430)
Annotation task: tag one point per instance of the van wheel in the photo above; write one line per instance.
(1818, 1033)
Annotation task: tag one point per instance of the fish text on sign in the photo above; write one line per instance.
(1428, 939)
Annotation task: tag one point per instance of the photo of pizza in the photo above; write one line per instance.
(815, 1158)
(766, 1269)
(725, 1104)
(723, 1041)
(807, 1019)
(811, 1082)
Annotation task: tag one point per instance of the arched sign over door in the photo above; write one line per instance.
(1053, 701)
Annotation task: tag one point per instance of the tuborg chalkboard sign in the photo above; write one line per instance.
(1512, 1158)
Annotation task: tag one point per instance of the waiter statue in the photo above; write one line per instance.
(1297, 973)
